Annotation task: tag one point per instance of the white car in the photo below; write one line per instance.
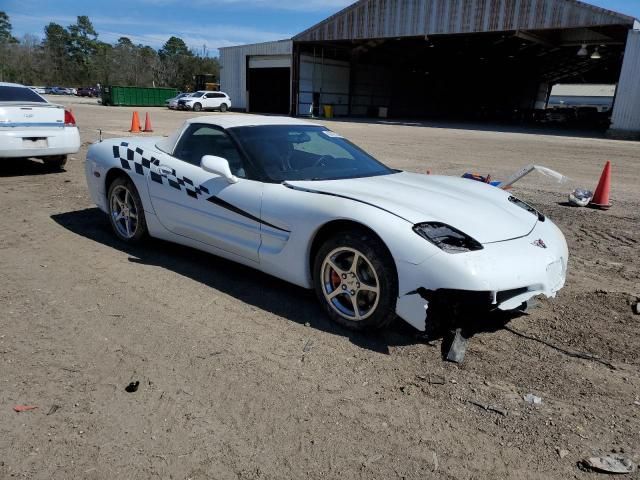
(205, 100)
(172, 103)
(302, 203)
(30, 126)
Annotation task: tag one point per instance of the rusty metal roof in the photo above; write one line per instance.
(409, 18)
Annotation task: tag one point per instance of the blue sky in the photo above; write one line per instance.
(214, 23)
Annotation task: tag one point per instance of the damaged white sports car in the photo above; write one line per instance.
(302, 203)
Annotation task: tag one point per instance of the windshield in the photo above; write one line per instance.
(301, 152)
(19, 94)
(196, 94)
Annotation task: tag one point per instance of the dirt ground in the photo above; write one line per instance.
(242, 376)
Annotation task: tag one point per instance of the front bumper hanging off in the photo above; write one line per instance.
(502, 276)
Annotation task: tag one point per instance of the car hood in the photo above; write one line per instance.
(480, 210)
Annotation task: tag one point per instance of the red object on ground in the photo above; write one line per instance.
(135, 123)
(601, 196)
(24, 408)
(147, 124)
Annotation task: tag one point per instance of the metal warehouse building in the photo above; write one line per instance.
(471, 59)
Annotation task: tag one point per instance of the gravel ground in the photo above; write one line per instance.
(241, 375)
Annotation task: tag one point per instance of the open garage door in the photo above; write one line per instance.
(269, 84)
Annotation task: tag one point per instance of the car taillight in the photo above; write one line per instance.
(69, 119)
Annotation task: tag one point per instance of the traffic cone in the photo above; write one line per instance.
(135, 123)
(147, 124)
(601, 197)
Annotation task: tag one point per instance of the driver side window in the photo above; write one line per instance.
(200, 140)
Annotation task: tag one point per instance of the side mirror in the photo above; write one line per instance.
(218, 166)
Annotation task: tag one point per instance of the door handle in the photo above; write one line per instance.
(164, 170)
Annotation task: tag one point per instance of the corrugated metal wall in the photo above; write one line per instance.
(407, 18)
(626, 111)
(233, 63)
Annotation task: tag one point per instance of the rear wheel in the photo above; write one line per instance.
(223, 107)
(56, 162)
(197, 107)
(356, 281)
(126, 213)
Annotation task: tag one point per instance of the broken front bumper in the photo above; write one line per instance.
(502, 276)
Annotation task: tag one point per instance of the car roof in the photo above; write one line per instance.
(248, 120)
(226, 121)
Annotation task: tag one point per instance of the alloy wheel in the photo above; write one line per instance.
(350, 283)
(124, 213)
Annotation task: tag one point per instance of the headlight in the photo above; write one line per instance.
(447, 238)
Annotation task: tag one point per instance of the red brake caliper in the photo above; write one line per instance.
(335, 279)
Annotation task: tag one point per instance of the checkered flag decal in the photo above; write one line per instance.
(135, 160)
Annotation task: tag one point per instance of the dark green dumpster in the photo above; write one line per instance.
(136, 96)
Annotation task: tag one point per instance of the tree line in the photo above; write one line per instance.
(73, 56)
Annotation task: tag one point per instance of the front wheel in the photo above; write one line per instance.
(356, 281)
(223, 107)
(55, 163)
(197, 107)
(126, 213)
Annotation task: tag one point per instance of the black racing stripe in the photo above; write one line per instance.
(130, 154)
(155, 177)
(139, 169)
(116, 151)
(125, 164)
(180, 181)
(146, 163)
(124, 144)
(234, 209)
(174, 184)
(318, 192)
(155, 161)
(139, 150)
(187, 180)
(203, 189)
(192, 194)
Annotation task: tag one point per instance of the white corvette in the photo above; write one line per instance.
(302, 203)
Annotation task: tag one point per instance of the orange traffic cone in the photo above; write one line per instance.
(147, 124)
(601, 197)
(135, 123)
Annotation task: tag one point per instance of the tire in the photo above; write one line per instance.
(127, 228)
(373, 283)
(55, 163)
(224, 107)
(197, 107)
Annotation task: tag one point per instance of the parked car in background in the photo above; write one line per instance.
(63, 91)
(172, 103)
(30, 126)
(88, 92)
(39, 90)
(205, 100)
